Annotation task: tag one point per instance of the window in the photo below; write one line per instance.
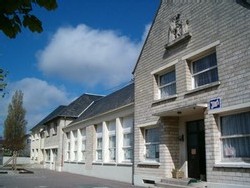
(54, 129)
(47, 155)
(152, 138)
(75, 145)
(68, 146)
(48, 130)
(204, 70)
(112, 141)
(167, 84)
(235, 136)
(99, 142)
(127, 146)
(127, 125)
(83, 147)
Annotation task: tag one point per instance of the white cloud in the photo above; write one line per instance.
(90, 56)
(40, 98)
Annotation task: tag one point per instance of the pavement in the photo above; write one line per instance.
(44, 178)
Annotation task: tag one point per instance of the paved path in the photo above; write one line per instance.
(43, 178)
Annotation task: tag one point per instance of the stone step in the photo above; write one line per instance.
(180, 183)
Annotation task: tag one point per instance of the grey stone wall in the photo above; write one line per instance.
(224, 23)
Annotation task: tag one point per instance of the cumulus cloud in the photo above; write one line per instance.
(90, 56)
(40, 98)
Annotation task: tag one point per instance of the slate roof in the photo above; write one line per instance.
(110, 102)
(73, 110)
(52, 115)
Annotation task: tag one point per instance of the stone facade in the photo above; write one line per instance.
(219, 27)
(118, 169)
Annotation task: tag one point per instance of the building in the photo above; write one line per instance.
(100, 142)
(47, 135)
(192, 94)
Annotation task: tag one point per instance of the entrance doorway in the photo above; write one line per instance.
(196, 149)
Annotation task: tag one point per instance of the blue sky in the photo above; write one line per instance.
(86, 47)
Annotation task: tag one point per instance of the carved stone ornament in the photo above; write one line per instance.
(178, 30)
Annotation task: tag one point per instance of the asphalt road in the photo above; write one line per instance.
(43, 178)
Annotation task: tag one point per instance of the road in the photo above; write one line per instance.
(43, 178)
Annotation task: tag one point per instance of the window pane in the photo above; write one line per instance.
(204, 63)
(99, 154)
(206, 77)
(152, 135)
(236, 124)
(128, 154)
(99, 143)
(152, 151)
(236, 147)
(127, 139)
(112, 141)
(168, 90)
(167, 78)
(112, 154)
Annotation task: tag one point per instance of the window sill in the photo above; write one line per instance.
(158, 101)
(214, 84)
(232, 165)
(149, 163)
(125, 164)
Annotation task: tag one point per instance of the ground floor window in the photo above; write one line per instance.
(99, 149)
(235, 136)
(152, 138)
(127, 146)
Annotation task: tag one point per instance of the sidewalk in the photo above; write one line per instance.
(43, 178)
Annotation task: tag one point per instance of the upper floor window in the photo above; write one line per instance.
(235, 136)
(54, 129)
(152, 140)
(167, 84)
(204, 71)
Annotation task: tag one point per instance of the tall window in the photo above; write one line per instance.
(235, 136)
(47, 155)
(68, 146)
(99, 142)
(75, 145)
(112, 141)
(83, 147)
(127, 126)
(152, 137)
(54, 129)
(167, 84)
(204, 70)
(48, 130)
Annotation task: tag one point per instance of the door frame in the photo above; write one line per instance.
(199, 151)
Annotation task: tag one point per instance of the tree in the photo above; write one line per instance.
(15, 124)
(2, 83)
(15, 14)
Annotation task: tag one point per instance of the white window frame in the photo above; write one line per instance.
(68, 145)
(83, 144)
(55, 129)
(112, 134)
(151, 143)
(193, 75)
(99, 149)
(160, 87)
(75, 142)
(127, 126)
(231, 149)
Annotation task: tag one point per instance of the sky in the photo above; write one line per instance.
(87, 46)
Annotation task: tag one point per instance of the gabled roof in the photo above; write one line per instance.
(79, 105)
(120, 98)
(73, 110)
(52, 115)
